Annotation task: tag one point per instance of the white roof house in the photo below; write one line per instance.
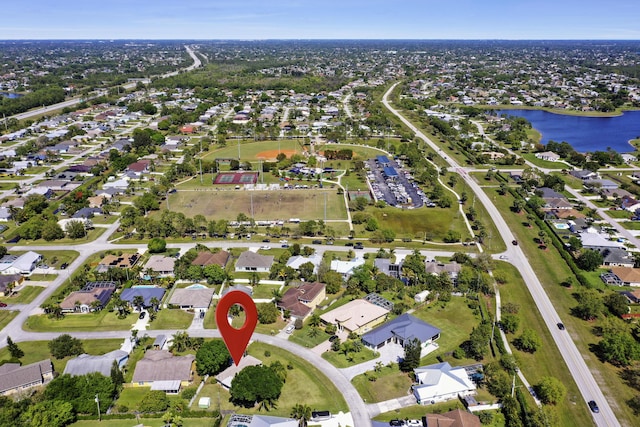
(23, 264)
(345, 268)
(598, 241)
(441, 382)
(296, 261)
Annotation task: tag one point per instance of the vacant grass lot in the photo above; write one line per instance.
(260, 205)
(99, 321)
(147, 422)
(172, 319)
(305, 383)
(34, 351)
(339, 360)
(24, 296)
(390, 384)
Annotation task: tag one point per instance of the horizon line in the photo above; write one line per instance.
(321, 39)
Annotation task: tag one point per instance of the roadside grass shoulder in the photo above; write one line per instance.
(6, 316)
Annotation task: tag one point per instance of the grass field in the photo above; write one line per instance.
(339, 360)
(99, 321)
(34, 351)
(147, 422)
(24, 296)
(251, 151)
(260, 205)
(390, 384)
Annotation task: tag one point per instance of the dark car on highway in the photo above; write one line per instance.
(594, 406)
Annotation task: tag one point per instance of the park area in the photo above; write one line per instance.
(261, 205)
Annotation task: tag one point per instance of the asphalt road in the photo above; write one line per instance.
(574, 361)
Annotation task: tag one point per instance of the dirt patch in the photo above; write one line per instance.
(272, 154)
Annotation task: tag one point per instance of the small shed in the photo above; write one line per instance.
(204, 403)
(422, 296)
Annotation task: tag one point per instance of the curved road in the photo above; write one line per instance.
(576, 364)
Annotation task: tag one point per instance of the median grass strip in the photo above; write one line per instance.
(551, 274)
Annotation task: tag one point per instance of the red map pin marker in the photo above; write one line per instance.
(236, 340)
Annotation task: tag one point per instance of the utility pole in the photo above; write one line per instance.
(200, 160)
(98, 403)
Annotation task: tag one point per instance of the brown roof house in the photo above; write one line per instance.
(117, 261)
(94, 296)
(301, 300)
(160, 265)
(8, 282)
(628, 276)
(455, 418)
(163, 371)
(253, 262)
(15, 378)
(220, 258)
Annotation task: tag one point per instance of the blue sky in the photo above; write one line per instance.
(320, 19)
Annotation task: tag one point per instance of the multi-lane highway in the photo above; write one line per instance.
(576, 364)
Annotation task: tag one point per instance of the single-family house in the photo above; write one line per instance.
(547, 193)
(628, 158)
(597, 241)
(163, 371)
(8, 282)
(605, 184)
(358, 316)
(16, 379)
(301, 300)
(5, 214)
(548, 156)
(225, 377)
(194, 297)
(88, 364)
(401, 330)
(160, 266)
(455, 418)
(117, 261)
(297, 260)
(627, 276)
(23, 264)
(93, 296)
(86, 213)
(138, 168)
(385, 266)
(204, 258)
(441, 382)
(617, 257)
(147, 293)
(451, 269)
(584, 174)
(345, 268)
(253, 262)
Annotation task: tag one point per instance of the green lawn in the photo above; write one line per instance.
(631, 225)
(172, 319)
(264, 291)
(250, 150)
(147, 422)
(34, 351)
(339, 360)
(100, 321)
(389, 383)
(24, 296)
(302, 337)
(6, 316)
(305, 383)
(544, 163)
(619, 214)
(43, 277)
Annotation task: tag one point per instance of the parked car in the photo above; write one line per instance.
(266, 240)
(64, 266)
(397, 423)
(358, 245)
(265, 248)
(317, 242)
(3, 304)
(414, 423)
(332, 338)
(290, 329)
(594, 406)
(142, 315)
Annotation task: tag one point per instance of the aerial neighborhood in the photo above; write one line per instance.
(418, 253)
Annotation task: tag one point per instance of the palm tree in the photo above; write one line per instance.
(138, 302)
(155, 303)
(302, 413)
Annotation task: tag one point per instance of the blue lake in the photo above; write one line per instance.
(585, 133)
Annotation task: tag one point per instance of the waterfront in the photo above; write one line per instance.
(584, 133)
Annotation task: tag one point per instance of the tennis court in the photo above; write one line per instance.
(236, 178)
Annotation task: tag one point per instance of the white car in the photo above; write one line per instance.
(290, 329)
(414, 423)
(265, 248)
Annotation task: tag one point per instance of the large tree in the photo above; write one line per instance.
(49, 413)
(14, 351)
(256, 384)
(267, 313)
(212, 358)
(550, 390)
(65, 345)
(411, 358)
(528, 341)
(590, 260)
(619, 348)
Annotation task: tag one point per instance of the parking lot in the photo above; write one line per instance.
(391, 183)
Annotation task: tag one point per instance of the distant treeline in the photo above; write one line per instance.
(38, 98)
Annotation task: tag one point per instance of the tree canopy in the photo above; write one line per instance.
(256, 384)
(212, 357)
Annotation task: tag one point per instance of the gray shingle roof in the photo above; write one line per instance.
(87, 364)
(405, 327)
